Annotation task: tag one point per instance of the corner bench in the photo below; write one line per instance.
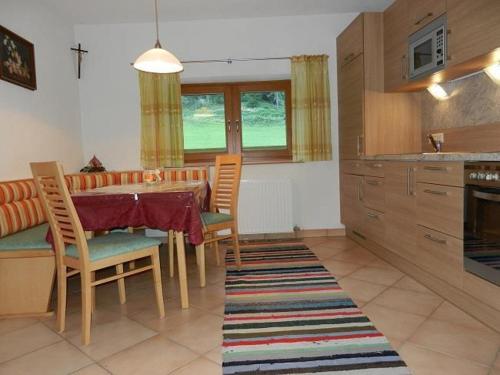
(27, 261)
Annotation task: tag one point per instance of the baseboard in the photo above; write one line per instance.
(478, 309)
(305, 233)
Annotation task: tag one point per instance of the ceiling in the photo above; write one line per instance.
(129, 11)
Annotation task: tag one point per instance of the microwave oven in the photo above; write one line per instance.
(427, 49)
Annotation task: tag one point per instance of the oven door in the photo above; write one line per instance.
(482, 232)
(422, 56)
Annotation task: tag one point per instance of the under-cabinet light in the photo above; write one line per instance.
(438, 91)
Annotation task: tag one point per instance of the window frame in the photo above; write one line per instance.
(233, 120)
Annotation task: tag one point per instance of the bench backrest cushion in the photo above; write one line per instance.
(186, 174)
(20, 208)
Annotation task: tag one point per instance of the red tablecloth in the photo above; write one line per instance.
(169, 210)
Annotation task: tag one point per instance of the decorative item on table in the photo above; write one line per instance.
(17, 59)
(152, 176)
(94, 165)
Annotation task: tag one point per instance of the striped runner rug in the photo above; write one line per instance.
(286, 314)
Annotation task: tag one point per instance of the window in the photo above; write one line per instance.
(253, 118)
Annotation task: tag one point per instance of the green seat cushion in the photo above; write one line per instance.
(113, 244)
(211, 218)
(29, 239)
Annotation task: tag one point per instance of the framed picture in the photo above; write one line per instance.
(17, 59)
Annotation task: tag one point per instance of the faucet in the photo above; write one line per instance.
(437, 145)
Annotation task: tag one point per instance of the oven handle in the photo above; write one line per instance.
(486, 196)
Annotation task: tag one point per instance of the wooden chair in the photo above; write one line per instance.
(223, 212)
(84, 256)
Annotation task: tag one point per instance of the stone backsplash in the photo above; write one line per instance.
(474, 101)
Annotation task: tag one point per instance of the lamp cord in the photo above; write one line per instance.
(157, 44)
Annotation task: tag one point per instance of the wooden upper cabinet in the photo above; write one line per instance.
(474, 29)
(396, 45)
(351, 103)
(350, 42)
(421, 12)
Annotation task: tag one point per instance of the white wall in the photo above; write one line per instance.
(42, 124)
(109, 97)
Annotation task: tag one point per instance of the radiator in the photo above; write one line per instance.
(265, 206)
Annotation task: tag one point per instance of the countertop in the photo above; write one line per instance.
(439, 156)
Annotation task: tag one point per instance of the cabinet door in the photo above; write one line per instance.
(474, 29)
(422, 12)
(350, 42)
(400, 209)
(352, 210)
(351, 99)
(396, 45)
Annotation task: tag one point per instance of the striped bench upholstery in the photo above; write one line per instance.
(20, 207)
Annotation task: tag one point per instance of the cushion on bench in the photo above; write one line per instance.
(29, 239)
(113, 244)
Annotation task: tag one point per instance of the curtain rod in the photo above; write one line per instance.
(230, 60)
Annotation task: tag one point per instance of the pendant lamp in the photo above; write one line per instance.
(158, 60)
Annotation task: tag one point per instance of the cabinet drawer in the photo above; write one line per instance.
(374, 168)
(441, 173)
(441, 208)
(350, 42)
(441, 255)
(352, 167)
(373, 194)
(374, 226)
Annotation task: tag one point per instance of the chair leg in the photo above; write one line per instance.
(216, 249)
(200, 260)
(121, 284)
(86, 306)
(181, 267)
(92, 278)
(155, 261)
(61, 297)
(236, 240)
(171, 253)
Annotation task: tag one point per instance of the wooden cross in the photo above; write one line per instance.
(80, 53)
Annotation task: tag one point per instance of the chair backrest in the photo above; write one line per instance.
(226, 184)
(63, 219)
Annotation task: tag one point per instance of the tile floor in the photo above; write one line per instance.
(432, 336)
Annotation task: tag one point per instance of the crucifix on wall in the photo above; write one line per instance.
(80, 52)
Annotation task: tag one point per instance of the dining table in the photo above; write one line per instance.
(167, 206)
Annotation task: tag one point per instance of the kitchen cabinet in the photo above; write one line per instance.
(422, 12)
(474, 29)
(373, 193)
(352, 209)
(351, 125)
(370, 121)
(350, 42)
(401, 209)
(396, 32)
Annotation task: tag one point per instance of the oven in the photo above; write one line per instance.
(427, 49)
(482, 220)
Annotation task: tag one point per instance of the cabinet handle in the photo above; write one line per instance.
(372, 215)
(435, 192)
(358, 234)
(408, 182)
(435, 169)
(229, 126)
(434, 239)
(360, 192)
(373, 183)
(403, 67)
(359, 144)
(412, 181)
(349, 57)
(423, 18)
(376, 165)
(237, 126)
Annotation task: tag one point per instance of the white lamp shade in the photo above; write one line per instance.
(158, 60)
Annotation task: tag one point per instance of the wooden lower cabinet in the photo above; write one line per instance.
(441, 255)
(374, 226)
(401, 209)
(352, 209)
(373, 194)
